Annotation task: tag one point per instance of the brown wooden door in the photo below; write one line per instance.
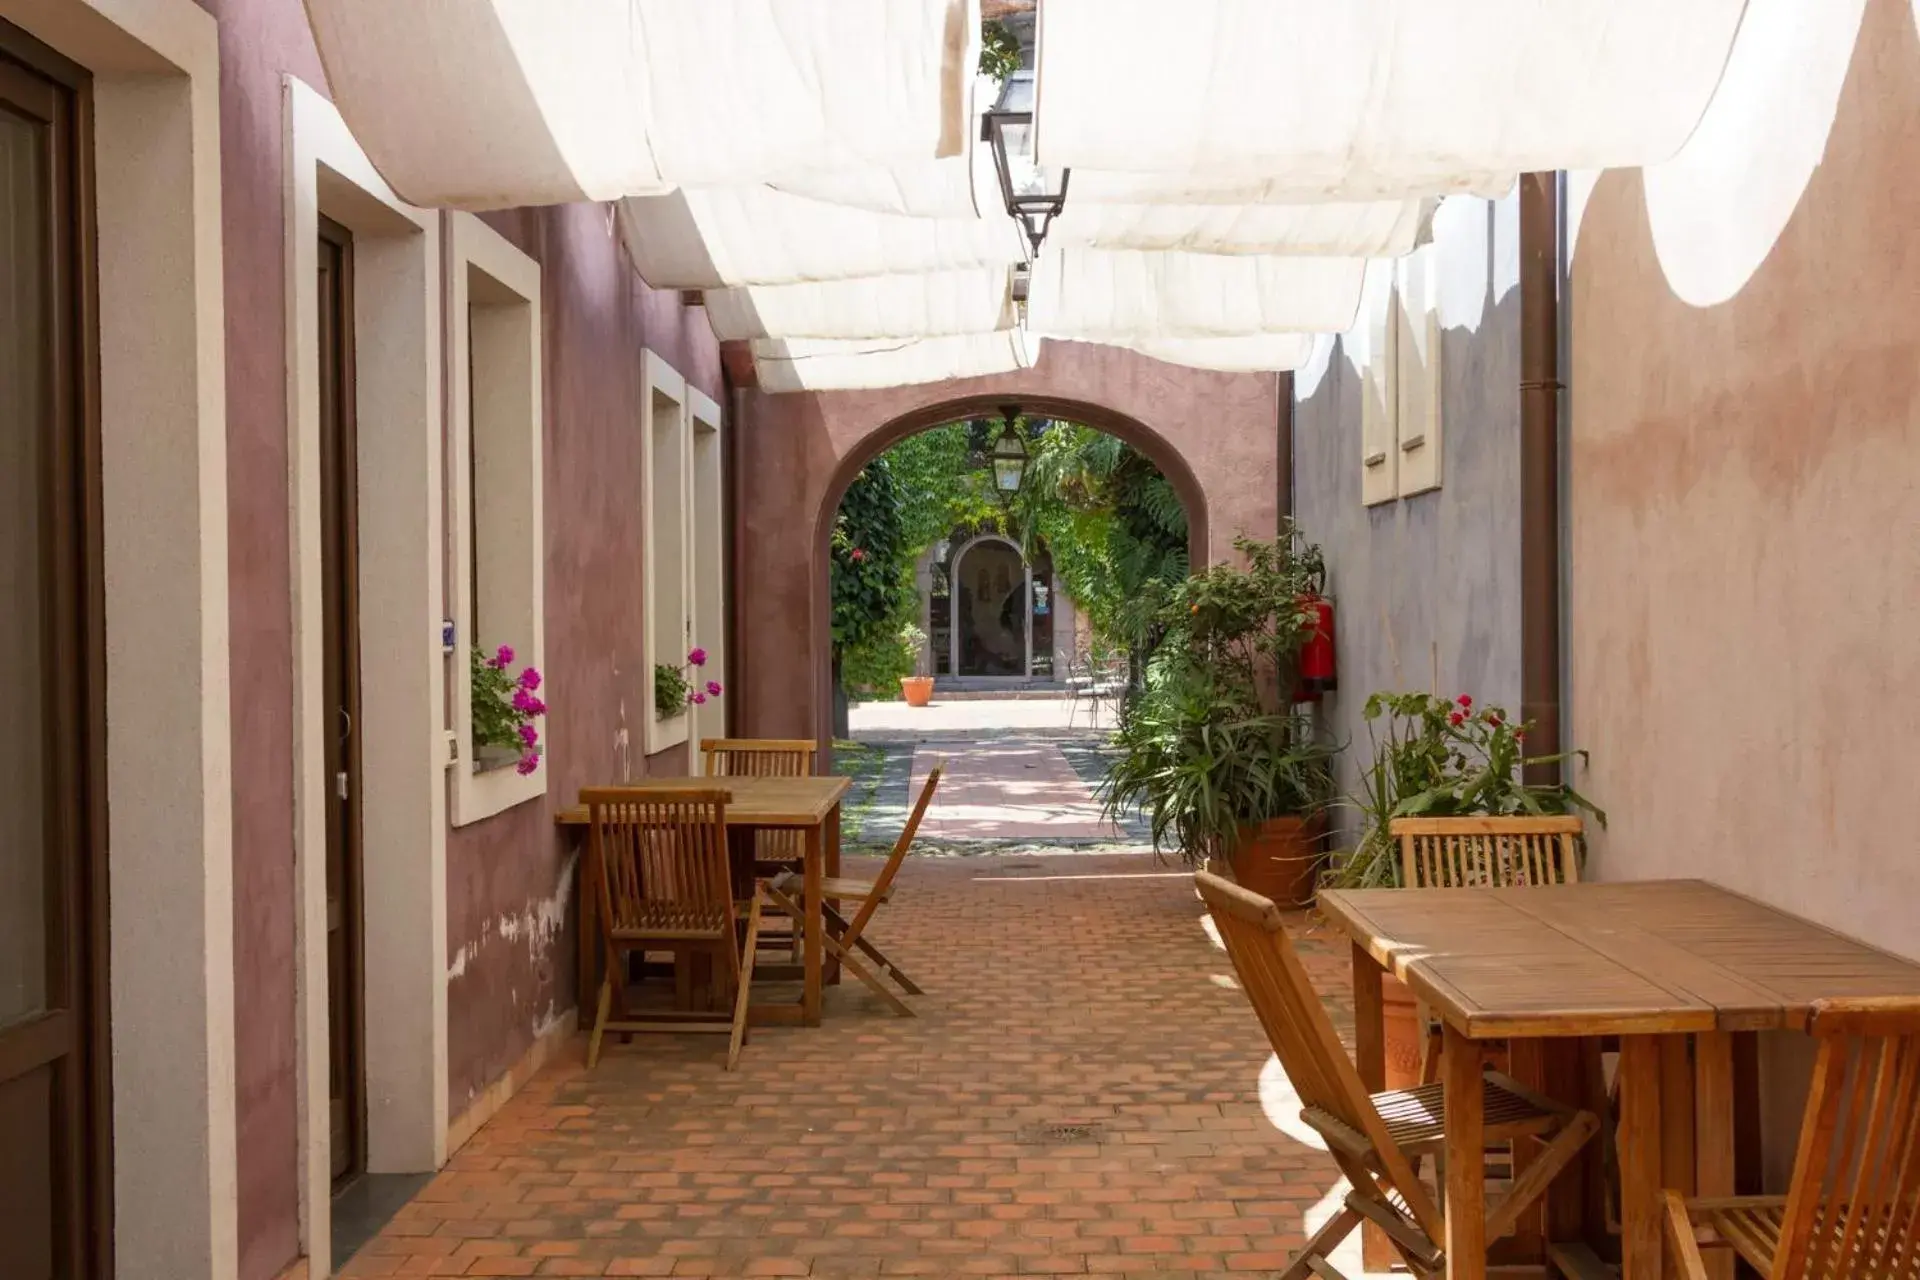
(339, 577)
(53, 1171)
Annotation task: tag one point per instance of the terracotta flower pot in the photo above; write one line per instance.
(918, 690)
(1280, 859)
(1405, 1033)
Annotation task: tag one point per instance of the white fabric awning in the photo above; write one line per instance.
(1254, 353)
(1374, 96)
(1103, 295)
(491, 103)
(713, 238)
(900, 306)
(1384, 228)
(1103, 186)
(802, 365)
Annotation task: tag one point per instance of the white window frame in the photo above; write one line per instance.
(1417, 372)
(662, 382)
(512, 280)
(707, 567)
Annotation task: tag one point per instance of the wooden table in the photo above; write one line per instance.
(1653, 962)
(809, 804)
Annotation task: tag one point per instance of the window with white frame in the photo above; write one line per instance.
(1396, 346)
(667, 574)
(495, 509)
(708, 558)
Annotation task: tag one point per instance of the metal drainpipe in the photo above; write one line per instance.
(1283, 479)
(1540, 469)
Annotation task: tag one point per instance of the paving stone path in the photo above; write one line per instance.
(1085, 1090)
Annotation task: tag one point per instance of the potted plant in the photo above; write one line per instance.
(1207, 748)
(917, 688)
(1436, 757)
(504, 709)
(677, 688)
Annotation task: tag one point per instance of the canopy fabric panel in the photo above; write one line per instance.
(482, 104)
(1375, 95)
(720, 237)
(1101, 294)
(1252, 353)
(902, 306)
(804, 365)
(1382, 228)
(1104, 186)
(961, 186)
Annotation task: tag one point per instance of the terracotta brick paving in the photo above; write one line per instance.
(1082, 1093)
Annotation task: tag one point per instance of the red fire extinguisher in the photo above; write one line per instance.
(1318, 674)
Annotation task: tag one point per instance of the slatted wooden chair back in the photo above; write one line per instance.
(658, 861)
(758, 757)
(1487, 853)
(883, 882)
(764, 758)
(1853, 1208)
(1303, 1037)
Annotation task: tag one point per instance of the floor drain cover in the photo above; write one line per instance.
(1059, 1134)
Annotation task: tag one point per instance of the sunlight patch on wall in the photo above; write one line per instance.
(1462, 232)
(1717, 208)
(1307, 381)
(1580, 185)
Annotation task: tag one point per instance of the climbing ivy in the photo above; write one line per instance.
(869, 549)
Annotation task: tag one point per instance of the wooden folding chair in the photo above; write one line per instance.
(1376, 1139)
(1852, 1208)
(773, 851)
(657, 872)
(844, 937)
(1485, 853)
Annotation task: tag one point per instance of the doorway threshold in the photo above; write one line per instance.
(365, 1205)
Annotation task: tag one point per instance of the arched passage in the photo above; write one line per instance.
(1213, 435)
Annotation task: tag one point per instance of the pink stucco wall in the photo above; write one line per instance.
(1215, 434)
(598, 317)
(1745, 519)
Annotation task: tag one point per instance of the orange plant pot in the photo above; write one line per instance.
(1280, 859)
(918, 690)
(1406, 1033)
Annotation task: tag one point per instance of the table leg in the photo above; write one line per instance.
(815, 927)
(833, 870)
(1370, 1060)
(1713, 1133)
(1642, 1255)
(1461, 1070)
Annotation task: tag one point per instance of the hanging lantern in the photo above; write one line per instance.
(1009, 454)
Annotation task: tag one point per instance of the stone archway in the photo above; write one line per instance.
(1215, 436)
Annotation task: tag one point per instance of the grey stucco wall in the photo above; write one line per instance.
(1427, 588)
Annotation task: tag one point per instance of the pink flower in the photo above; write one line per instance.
(698, 699)
(1519, 735)
(529, 734)
(713, 688)
(525, 703)
(698, 657)
(857, 554)
(1457, 719)
(1494, 720)
(502, 657)
(1465, 701)
(528, 763)
(529, 679)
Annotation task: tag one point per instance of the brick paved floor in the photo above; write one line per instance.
(1085, 1091)
(1006, 789)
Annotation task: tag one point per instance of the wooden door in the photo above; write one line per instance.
(339, 578)
(54, 1178)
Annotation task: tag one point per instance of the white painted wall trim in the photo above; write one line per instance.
(403, 807)
(163, 420)
(660, 381)
(707, 558)
(517, 521)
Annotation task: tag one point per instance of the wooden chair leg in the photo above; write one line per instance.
(837, 926)
(599, 1023)
(1312, 1258)
(743, 975)
(865, 975)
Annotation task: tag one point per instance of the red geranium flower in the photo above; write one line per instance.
(1465, 701)
(1457, 719)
